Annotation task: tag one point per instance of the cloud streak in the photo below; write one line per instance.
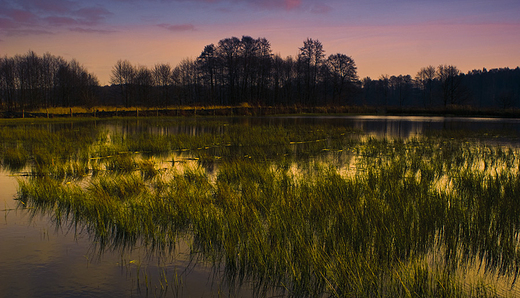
(177, 27)
(321, 8)
(92, 15)
(27, 17)
(61, 21)
(47, 6)
(87, 30)
(263, 4)
(277, 4)
(27, 32)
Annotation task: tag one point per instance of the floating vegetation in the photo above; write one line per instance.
(308, 211)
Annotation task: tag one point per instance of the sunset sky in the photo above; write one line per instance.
(382, 36)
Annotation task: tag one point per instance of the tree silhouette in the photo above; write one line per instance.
(30, 81)
(8, 86)
(123, 75)
(228, 50)
(310, 60)
(208, 62)
(185, 76)
(244, 70)
(448, 76)
(424, 80)
(143, 81)
(162, 79)
(400, 86)
(343, 73)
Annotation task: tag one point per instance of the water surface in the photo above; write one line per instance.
(40, 260)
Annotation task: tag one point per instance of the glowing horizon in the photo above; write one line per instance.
(382, 38)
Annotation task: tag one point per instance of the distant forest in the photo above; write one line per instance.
(236, 71)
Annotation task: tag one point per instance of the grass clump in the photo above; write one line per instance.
(318, 212)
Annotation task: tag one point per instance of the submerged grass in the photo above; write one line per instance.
(387, 218)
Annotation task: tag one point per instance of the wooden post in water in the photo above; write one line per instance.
(137, 112)
(47, 110)
(71, 112)
(23, 113)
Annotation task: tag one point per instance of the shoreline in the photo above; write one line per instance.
(228, 111)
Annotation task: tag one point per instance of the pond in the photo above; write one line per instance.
(265, 206)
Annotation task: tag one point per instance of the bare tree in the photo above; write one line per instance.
(208, 62)
(448, 76)
(162, 78)
(229, 52)
(263, 65)
(343, 72)
(401, 86)
(384, 87)
(143, 81)
(8, 82)
(122, 75)
(310, 60)
(185, 76)
(424, 80)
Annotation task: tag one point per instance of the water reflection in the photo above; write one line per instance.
(402, 126)
(40, 259)
(59, 254)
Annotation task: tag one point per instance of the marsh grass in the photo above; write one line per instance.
(15, 159)
(309, 211)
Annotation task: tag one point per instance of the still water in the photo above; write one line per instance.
(39, 260)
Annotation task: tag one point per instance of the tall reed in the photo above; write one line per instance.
(382, 218)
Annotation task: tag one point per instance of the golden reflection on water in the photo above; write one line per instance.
(349, 163)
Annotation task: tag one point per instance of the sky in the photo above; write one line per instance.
(388, 37)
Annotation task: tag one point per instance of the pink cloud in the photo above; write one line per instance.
(179, 27)
(61, 21)
(278, 4)
(83, 30)
(291, 4)
(93, 15)
(25, 32)
(23, 16)
(55, 6)
(7, 24)
(321, 8)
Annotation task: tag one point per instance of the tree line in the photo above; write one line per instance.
(241, 70)
(30, 81)
(237, 70)
(445, 86)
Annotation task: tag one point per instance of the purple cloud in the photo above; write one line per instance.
(92, 15)
(61, 21)
(46, 16)
(50, 6)
(83, 30)
(25, 32)
(276, 4)
(264, 4)
(7, 23)
(321, 8)
(22, 16)
(178, 27)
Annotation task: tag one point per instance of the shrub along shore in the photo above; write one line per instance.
(249, 110)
